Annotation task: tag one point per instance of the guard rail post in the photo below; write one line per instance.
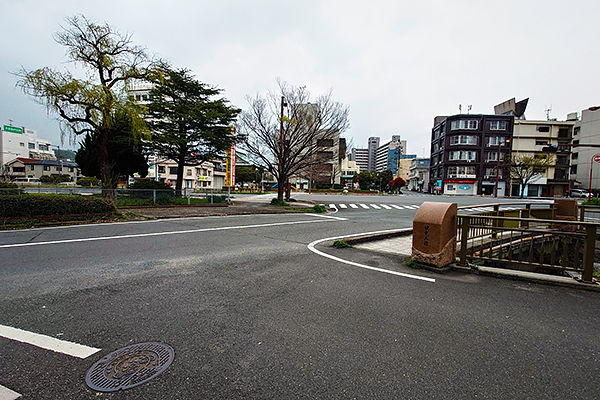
(464, 237)
(588, 253)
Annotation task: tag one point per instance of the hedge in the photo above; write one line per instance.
(31, 206)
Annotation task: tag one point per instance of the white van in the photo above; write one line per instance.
(27, 181)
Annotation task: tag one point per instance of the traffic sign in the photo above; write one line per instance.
(597, 158)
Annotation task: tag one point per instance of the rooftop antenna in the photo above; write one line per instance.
(460, 108)
(548, 111)
(469, 108)
(10, 121)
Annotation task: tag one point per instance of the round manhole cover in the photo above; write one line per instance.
(129, 366)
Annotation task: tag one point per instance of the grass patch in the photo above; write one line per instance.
(410, 263)
(340, 244)
(276, 202)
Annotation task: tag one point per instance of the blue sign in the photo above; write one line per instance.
(465, 187)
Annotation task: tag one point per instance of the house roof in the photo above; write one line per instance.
(55, 163)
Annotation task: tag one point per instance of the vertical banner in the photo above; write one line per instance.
(230, 167)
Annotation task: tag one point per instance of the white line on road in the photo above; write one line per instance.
(364, 206)
(312, 245)
(328, 216)
(139, 235)
(375, 206)
(7, 394)
(332, 206)
(386, 206)
(353, 206)
(398, 207)
(47, 342)
(343, 206)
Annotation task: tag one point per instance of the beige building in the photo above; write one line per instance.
(207, 176)
(545, 139)
(404, 169)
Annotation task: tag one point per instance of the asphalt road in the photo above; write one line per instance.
(252, 313)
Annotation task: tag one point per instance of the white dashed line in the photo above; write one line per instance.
(47, 342)
(353, 206)
(332, 206)
(364, 206)
(7, 394)
(375, 206)
(343, 206)
(397, 207)
(386, 206)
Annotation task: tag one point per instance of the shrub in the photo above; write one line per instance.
(319, 209)
(594, 201)
(8, 188)
(40, 205)
(55, 178)
(144, 189)
(340, 244)
(88, 180)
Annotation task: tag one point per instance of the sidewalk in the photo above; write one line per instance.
(401, 244)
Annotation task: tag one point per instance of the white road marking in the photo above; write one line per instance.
(328, 216)
(140, 235)
(332, 206)
(386, 206)
(343, 206)
(364, 206)
(411, 207)
(47, 342)
(375, 206)
(312, 245)
(398, 207)
(7, 394)
(353, 206)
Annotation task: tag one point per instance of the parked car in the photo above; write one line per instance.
(580, 193)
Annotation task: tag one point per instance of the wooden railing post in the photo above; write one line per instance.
(464, 237)
(495, 222)
(588, 253)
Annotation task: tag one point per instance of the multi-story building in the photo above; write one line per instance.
(544, 139)
(387, 156)
(586, 131)
(207, 176)
(468, 153)
(418, 178)
(22, 142)
(31, 168)
(361, 158)
(372, 147)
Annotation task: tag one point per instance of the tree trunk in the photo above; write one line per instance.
(108, 186)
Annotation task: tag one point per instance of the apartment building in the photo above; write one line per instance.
(468, 153)
(586, 131)
(418, 178)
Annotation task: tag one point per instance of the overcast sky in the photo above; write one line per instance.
(396, 64)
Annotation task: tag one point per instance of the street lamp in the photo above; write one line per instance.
(498, 165)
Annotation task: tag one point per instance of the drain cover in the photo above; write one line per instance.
(129, 366)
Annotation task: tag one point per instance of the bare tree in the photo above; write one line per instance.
(286, 132)
(525, 168)
(89, 106)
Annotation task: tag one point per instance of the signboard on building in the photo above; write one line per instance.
(230, 167)
(12, 129)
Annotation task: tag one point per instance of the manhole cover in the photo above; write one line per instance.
(129, 366)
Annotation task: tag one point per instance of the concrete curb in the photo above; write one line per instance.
(379, 236)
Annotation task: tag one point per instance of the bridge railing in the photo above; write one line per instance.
(527, 237)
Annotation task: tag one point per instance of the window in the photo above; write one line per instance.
(32, 167)
(491, 172)
(145, 97)
(58, 169)
(462, 155)
(493, 156)
(138, 97)
(495, 140)
(461, 171)
(46, 168)
(471, 124)
(497, 125)
(31, 145)
(173, 170)
(71, 169)
(18, 169)
(188, 173)
(543, 129)
(22, 144)
(161, 169)
(541, 142)
(573, 169)
(43, 147)
(471, 140)
(574, 156)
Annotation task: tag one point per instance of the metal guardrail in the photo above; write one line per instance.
(529, 236)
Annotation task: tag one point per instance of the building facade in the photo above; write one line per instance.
(207, 176)
(468, 153)
(586, 131)
(418, 179)
(32, 168)
(544, 139)
(20, 142)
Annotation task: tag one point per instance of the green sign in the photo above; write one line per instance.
(12, 129)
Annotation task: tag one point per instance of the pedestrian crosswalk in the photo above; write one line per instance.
(372, 206)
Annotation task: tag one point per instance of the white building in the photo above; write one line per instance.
(22, 142)
(207, 176)
(586, 131)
